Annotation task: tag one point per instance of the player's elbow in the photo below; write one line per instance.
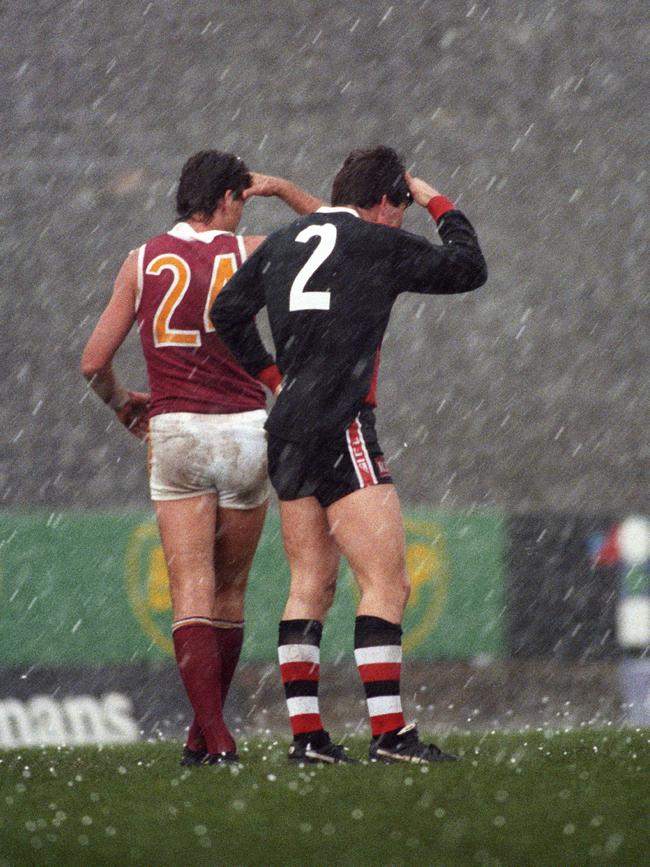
(479, 278)
(90, 365)
(472, 276)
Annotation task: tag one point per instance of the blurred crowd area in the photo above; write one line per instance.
(530, 394)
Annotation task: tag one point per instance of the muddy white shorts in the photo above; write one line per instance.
(193, 453)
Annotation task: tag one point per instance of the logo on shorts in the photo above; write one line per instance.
(380, 463)
(148, 585)
(427, 564)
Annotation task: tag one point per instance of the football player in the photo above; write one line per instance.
(329, 281)
(204, 417)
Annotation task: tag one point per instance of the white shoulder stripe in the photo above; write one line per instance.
(138, 297)
(242, 248)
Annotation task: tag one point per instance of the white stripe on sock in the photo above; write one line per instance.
(384, 704)
(383, 653)
(302, 704)
(298, 653)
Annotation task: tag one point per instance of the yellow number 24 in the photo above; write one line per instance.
(163, 333)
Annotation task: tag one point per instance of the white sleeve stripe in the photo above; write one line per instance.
(302, 704)
(242, 248)
(298, 653)
(385, 653)
(383, 704)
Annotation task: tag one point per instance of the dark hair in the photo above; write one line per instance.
(205, 178)
(368, 174)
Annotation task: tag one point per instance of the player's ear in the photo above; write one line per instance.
(228, 198)
(382, 209)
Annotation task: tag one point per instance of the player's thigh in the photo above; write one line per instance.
(311, 551)
(368, 528)
(187, 532)
(237, 537)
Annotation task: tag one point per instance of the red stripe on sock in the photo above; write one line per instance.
(380, 671)
(386, 722)
(299, 671)
(306, 722)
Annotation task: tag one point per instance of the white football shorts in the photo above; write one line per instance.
(195, 453)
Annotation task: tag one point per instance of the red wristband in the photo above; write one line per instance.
(270, 377)
(438, 206)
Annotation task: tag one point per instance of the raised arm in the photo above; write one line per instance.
(266, 186)
(300, 200)
(455, 266)
(108, 335)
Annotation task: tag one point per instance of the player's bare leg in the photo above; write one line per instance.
(187, 531)
(238, 532)
(368, 528)
(313, 558)
(313, 562)
(367, 525)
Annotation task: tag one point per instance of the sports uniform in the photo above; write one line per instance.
(329, 281)
(207, 414)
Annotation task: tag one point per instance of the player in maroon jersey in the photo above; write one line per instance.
(205, 421)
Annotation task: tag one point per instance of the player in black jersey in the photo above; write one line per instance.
(329, 281)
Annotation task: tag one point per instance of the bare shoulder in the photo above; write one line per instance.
(252, 242)
(126, 281)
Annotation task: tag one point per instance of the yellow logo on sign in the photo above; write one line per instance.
(148, 585)
(427, 565)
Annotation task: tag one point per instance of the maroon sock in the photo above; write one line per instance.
(229, 642)
(195, 740)
(198, 661)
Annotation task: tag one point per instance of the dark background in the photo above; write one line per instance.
(529, 395)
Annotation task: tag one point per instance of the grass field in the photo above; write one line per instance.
(571, 798)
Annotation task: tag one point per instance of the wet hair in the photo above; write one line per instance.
(368, 174)
(205, 178)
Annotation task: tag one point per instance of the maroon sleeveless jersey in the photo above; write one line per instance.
(180, 273)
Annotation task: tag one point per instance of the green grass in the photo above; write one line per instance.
(571, 798)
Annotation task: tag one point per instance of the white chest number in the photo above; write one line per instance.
(299, 299)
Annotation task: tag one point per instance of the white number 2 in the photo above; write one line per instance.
(298, 298)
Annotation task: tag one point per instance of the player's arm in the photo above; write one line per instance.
(455, 266)
(300, 200)
(233, 316)
(108, 335)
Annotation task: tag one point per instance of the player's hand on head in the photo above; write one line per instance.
(134, 414)
(421, 191)
(261, 185)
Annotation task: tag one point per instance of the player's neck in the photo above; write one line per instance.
(216, 221)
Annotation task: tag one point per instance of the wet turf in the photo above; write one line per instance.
(579, 797)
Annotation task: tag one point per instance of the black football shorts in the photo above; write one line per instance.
(329, 469)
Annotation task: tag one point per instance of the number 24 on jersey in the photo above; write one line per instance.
(224, 267)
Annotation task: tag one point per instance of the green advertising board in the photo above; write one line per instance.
(91, 589)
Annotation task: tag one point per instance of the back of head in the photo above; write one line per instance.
(205, 178)
(368, 174)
